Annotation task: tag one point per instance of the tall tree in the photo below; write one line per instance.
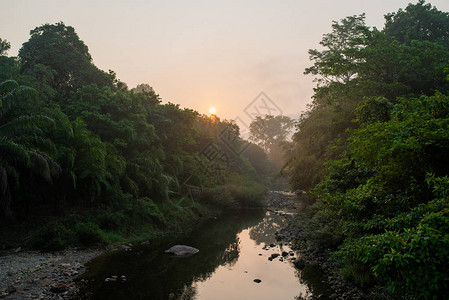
(269, 132)
(420, 22)
(58, 46)
(336, 63)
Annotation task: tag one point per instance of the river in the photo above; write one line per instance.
(234, 252)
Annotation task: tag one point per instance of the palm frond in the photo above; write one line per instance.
(26, 124)
(44, 166)
(12, 176)
(17, 152)
(3, 180)
(8, 86)
(40, 143)
(6, 102)
(26, 92)
(11, 91)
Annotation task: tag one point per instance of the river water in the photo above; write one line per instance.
(234, 251)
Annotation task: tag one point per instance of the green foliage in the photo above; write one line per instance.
(335, 64)
(110, 220)
(246, 191)
(75, 142)
(390, 196)
(412, 260)
(88, 233)
(179, 219)
(237, 193)
(373, 110)
(321, 230)
(145, 211)
(373, 148)
(433, 24)
(259, 160)
(363, 65)
(59, 48)
(218, 198)
(24, 146)
(270, 133)
(51, 237)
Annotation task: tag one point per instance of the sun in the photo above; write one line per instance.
(212, 110)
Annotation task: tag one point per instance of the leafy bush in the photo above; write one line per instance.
(178, 218)
(110, 220)
(245, 191)
(144, 210)
(51, 237)
(414, 261)
(218, 197)
(88, 233)
(231, 196)
(320, 229)
(390, 195)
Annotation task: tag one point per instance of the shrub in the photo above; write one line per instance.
(88, 233)
(320, 229)
(218, 197)
(109, 220)
(144, 210)
(51, 237)
(247, 196)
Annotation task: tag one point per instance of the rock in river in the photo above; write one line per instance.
(182, 250)
(300, 264)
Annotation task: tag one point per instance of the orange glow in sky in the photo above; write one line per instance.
(192, 51)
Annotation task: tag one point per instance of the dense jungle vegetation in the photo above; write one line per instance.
(373, 148)
(84, 159)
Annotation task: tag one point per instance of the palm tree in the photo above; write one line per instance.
(23, 145)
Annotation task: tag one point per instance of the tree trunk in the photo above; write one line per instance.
(5, 206)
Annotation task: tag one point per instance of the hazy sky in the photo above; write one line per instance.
(201, 53)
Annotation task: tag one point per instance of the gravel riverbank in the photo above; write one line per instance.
(37, 275)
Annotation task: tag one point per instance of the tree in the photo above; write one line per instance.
(358, 63)
(336, 63)
(22, 144)
(4, 47)
(270, 132)
(259, 159)
(420, 22)
(58, 46)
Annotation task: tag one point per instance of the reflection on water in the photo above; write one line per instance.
(264, 232)
(233, 252)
